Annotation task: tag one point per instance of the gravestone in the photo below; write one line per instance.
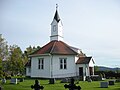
(72, 86)
(21, 79)
(13, 81)
(3, 80)
(37, 86)
(64, 80)
(118, 80)
(51, 81)
(111, 82)
(104, 84)
(89, 79)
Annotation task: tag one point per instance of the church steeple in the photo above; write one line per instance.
(56, 17)
(56, 27)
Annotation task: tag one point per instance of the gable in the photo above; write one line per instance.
(91, 63)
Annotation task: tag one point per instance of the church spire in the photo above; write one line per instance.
(56, 27)
(56, 17)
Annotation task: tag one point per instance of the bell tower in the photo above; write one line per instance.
(56, 27)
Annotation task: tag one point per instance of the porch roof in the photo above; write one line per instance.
(83, 60)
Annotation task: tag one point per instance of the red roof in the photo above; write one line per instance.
(83, 60)
(56, 47)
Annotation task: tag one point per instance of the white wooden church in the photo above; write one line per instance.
(57, 59)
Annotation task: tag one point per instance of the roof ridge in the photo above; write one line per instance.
(69, 47)
(52, 47)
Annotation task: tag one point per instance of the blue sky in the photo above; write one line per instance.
(91, 25)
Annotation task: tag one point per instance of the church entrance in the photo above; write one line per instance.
(80, 71)
(91, 70)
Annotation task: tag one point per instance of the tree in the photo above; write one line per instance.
(1, 72)
(29, 50)
(3, 48)
(3, 53)
(16, 61)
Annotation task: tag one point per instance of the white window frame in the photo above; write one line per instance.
(63, 63)
(40, 63)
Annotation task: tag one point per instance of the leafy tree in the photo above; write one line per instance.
(16, 61)
(1, 72)
(3, 53)
(30, 50)
(3, 48)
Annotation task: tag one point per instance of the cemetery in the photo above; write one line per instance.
(30, 84)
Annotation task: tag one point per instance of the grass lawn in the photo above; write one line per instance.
(26, 85)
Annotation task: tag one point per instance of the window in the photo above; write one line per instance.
(40, 63)
(63, 63)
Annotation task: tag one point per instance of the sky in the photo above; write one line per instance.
(91, 25)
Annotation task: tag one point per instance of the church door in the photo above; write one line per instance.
(80, 71)
(91, 71)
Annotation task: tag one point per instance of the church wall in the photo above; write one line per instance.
(42, 73)
(71, 66)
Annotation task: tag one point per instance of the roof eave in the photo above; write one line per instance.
(63, 54)
(47, 54)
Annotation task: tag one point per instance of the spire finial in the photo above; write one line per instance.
(56, 6)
